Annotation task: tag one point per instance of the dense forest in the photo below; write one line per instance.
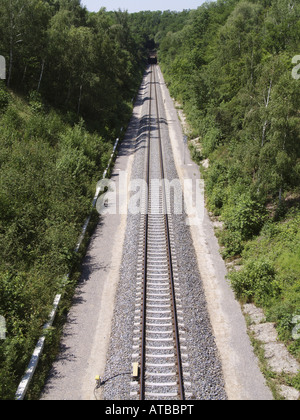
(71, 78)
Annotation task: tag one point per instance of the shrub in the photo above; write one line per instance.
(232, 241)
(211, 140)
(10, 121)
(246, 216)
(243, 218)
(255, 282)
(216, 183)
(4, 99)
(35, 102)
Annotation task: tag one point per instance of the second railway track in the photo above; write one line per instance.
(159, 341)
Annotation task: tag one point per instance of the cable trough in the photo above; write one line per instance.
(159, 342)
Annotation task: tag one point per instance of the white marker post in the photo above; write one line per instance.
(22, 389)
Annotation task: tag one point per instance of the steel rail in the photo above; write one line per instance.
(144, 310)
(173, 294)
(181, 392)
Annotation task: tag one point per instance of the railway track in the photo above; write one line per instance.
(159, 341)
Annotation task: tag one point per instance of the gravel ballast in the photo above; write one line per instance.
(206, 379)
